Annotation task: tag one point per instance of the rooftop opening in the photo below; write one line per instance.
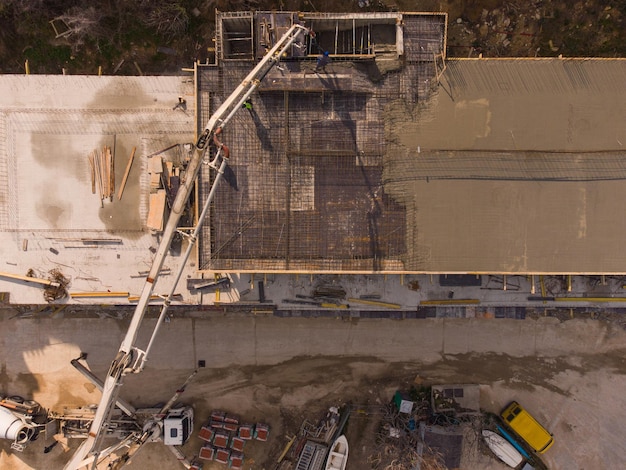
(236, 37)
(354, 36)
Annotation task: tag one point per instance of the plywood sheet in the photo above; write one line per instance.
(157, 211)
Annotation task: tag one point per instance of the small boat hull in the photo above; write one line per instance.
(502, 448)
(338, 455)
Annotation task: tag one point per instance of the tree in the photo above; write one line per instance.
(169, 19)
(79, 24)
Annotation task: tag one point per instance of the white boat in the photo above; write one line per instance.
(338, 456)
(503, 449)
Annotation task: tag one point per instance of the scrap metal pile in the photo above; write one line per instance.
(399, 447)
(404, 440)
(308, 449)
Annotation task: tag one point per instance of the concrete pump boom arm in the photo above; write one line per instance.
(129, 358)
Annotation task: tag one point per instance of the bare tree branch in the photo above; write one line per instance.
(82, 24)
(169, 19)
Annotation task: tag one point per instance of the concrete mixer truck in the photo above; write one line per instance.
(20, 420)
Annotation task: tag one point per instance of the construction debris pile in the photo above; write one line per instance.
(309, 449)
(165, 179)
(58, 287)
(226, 436)
(331, 296)
(55, 286)
(165, 173)
(415, 432)
(398, 451)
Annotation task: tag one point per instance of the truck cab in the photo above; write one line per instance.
(178, 426)
(20, 421)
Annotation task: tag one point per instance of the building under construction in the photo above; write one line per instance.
(306, 188)
(385, 156)
(391, 158)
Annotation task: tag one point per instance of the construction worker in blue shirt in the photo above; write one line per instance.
(322, 62)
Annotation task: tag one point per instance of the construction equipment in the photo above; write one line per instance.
(130, 358)
(19, 421)
(22, 421)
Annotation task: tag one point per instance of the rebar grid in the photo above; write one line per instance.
(305, 189)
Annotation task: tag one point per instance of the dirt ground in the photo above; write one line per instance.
(127, 40)
(568, 374)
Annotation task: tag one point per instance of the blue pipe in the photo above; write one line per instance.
(515, 444)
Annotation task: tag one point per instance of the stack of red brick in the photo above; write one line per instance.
(226, 437)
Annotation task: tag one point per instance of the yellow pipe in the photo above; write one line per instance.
(374, 302)
(98, 294)
(58, 310)
(36, 280)
(450, 302)
(329, 305)
(264, 312)
(135, 298)
(289, 444)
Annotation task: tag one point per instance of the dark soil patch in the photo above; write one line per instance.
(160, 37)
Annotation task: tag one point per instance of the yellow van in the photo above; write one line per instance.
(526, 427)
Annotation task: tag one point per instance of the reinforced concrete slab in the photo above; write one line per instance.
(48, 127)
(514, 166)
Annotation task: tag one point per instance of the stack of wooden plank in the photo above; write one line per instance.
(164, 176)
(102, 165)
(155, 168)
(156, 211)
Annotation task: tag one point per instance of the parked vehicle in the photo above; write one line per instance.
(19, 421)
(525, 426)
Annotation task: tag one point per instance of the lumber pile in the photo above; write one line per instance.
(164, 184)
(102, 164)
(156, 211)
(164, 176)
(155, 168)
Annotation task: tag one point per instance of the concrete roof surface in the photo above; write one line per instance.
(557, 127)
(48, 126)
(470, 206)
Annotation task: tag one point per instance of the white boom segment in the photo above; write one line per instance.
(129, 358)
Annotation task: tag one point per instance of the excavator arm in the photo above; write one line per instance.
(131, 359)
